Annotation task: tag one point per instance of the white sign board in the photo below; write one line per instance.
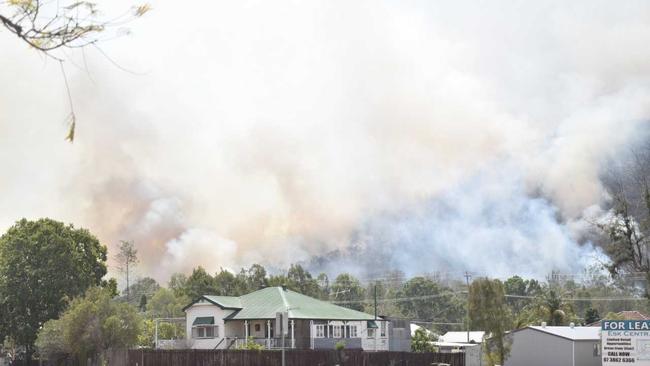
(625, 342)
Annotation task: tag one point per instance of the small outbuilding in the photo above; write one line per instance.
(555, 346)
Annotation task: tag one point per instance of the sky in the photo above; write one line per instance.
(431, 135)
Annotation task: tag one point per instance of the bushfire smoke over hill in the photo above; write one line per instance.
(436, 135)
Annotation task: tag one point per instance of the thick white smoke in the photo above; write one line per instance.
(444, 135)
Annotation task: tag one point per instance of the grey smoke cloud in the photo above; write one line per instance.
(273, 131)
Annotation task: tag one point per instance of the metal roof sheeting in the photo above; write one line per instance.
(204, 320)
(265, 303)
(573, 333)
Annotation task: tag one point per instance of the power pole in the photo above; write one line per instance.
(375, 301)
(467, 278)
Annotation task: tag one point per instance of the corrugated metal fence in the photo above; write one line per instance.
(293, 358)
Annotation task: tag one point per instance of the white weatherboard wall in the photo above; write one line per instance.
(202, 309)
(377, 343)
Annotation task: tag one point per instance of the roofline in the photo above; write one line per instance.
(204, 297)
(556, 335)
(301, 318)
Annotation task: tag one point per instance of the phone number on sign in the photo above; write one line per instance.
(618, 359)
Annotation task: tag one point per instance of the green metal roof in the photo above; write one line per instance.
(204, 320)
(265, 303)
(227, 302)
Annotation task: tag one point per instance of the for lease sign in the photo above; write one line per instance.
(625, 342)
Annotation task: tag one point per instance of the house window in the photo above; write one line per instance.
(352, 331)
(382, 328)
(320, 331)
(371, 332)
(210, 331)
(336, 331)
(257, 327)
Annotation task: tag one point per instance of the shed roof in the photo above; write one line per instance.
(572, 333)
(461, 337)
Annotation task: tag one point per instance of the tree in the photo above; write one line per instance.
(324, 285)
(516, 285)
(627, 229)
(143, 303)
(43, 264)
(256, 278)
(591, 316)
(165, 304)
(422, 341)
(300, 280)
(347, 290)
(425, 299)
(92, 325)
(177, 284)
(126, 259)
(548, 307)
(489, 312)
(48, 26)
(227, 284)
(146, 287)
(200, 283)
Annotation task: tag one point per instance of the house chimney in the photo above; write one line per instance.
(543, 324)
(572, 325)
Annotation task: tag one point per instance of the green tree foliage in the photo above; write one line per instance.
(228, 284)
(489, 312)
(591, 316)
(177, 284)
(251, 345)
(146, 287)
(422, 341)
(256, 277)
(548, 307)
(90, 326)
(165, 304)
(199, 283)
(43, 264)
(425, 299)
(143, 303)
(300, 280)
(348, 290)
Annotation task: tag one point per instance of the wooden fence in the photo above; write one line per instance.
(293, 358)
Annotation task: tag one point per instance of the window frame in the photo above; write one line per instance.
(353, 331)
(320, 331)
(337, 331)
(198, 329)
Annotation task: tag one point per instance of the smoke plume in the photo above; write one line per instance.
(436, 135)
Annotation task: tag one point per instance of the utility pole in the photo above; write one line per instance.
(375, 301)
(467, 278)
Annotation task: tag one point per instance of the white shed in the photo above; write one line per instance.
(557, 346)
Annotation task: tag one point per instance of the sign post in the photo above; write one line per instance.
(282, 324)
(625, 342)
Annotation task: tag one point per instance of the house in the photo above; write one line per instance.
(469, 343)
(220, 322)
(561, 346)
